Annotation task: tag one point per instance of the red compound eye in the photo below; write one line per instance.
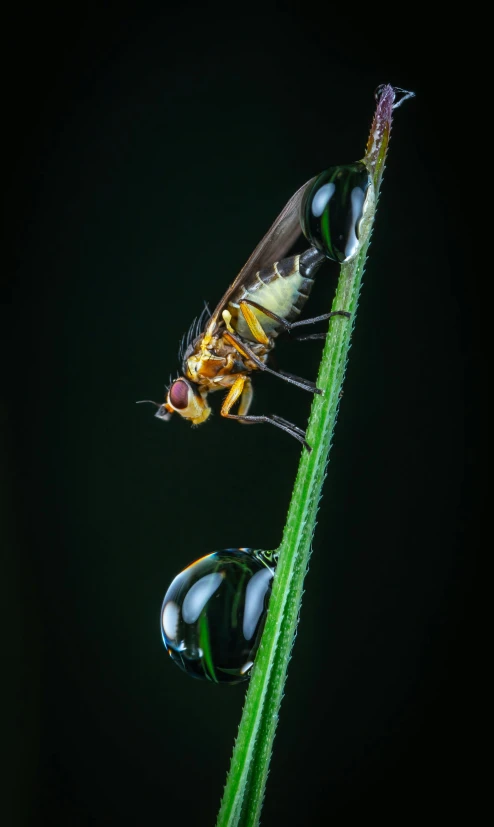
(179, 394)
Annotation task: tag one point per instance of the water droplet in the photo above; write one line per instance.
(214, 611)
(335, 208)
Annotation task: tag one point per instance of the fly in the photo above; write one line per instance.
(223, 350)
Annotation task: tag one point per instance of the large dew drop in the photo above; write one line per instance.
(336, 209)
(214, 611)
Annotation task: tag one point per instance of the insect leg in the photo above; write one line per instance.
(279, 422)
(242, 388)
(245, 350)
(290, 425)
(234, 394)
(298, 379)
(253, 323)
(246, 398)
(282, 322)
(320, 318)
(312, 336)
(317, 319)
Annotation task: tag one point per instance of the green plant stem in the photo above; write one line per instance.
(244, 790)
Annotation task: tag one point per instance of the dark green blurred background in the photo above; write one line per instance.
(149, 151)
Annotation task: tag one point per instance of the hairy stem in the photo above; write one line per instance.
(244, 790)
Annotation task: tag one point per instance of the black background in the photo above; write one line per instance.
(149, 150)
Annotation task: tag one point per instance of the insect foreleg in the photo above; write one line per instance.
(234, 394)
(246, 398)
(286, 426)
(242, 389)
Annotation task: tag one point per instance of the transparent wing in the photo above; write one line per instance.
(278, 240)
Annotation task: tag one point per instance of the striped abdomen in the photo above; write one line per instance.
(282, 288)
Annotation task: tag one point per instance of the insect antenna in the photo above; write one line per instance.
(159, 413)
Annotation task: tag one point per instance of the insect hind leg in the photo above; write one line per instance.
(317, 319)
(322, 318)
(288, 326)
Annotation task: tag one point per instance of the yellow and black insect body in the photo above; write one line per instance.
(267, 298)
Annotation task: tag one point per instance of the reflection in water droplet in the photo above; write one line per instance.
(335, 208)
(198, 595)
(169, 618)
(357, 200)
(321, 199)
(254, 601)
(213, 614)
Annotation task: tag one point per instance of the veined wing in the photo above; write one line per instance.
(275, 244)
